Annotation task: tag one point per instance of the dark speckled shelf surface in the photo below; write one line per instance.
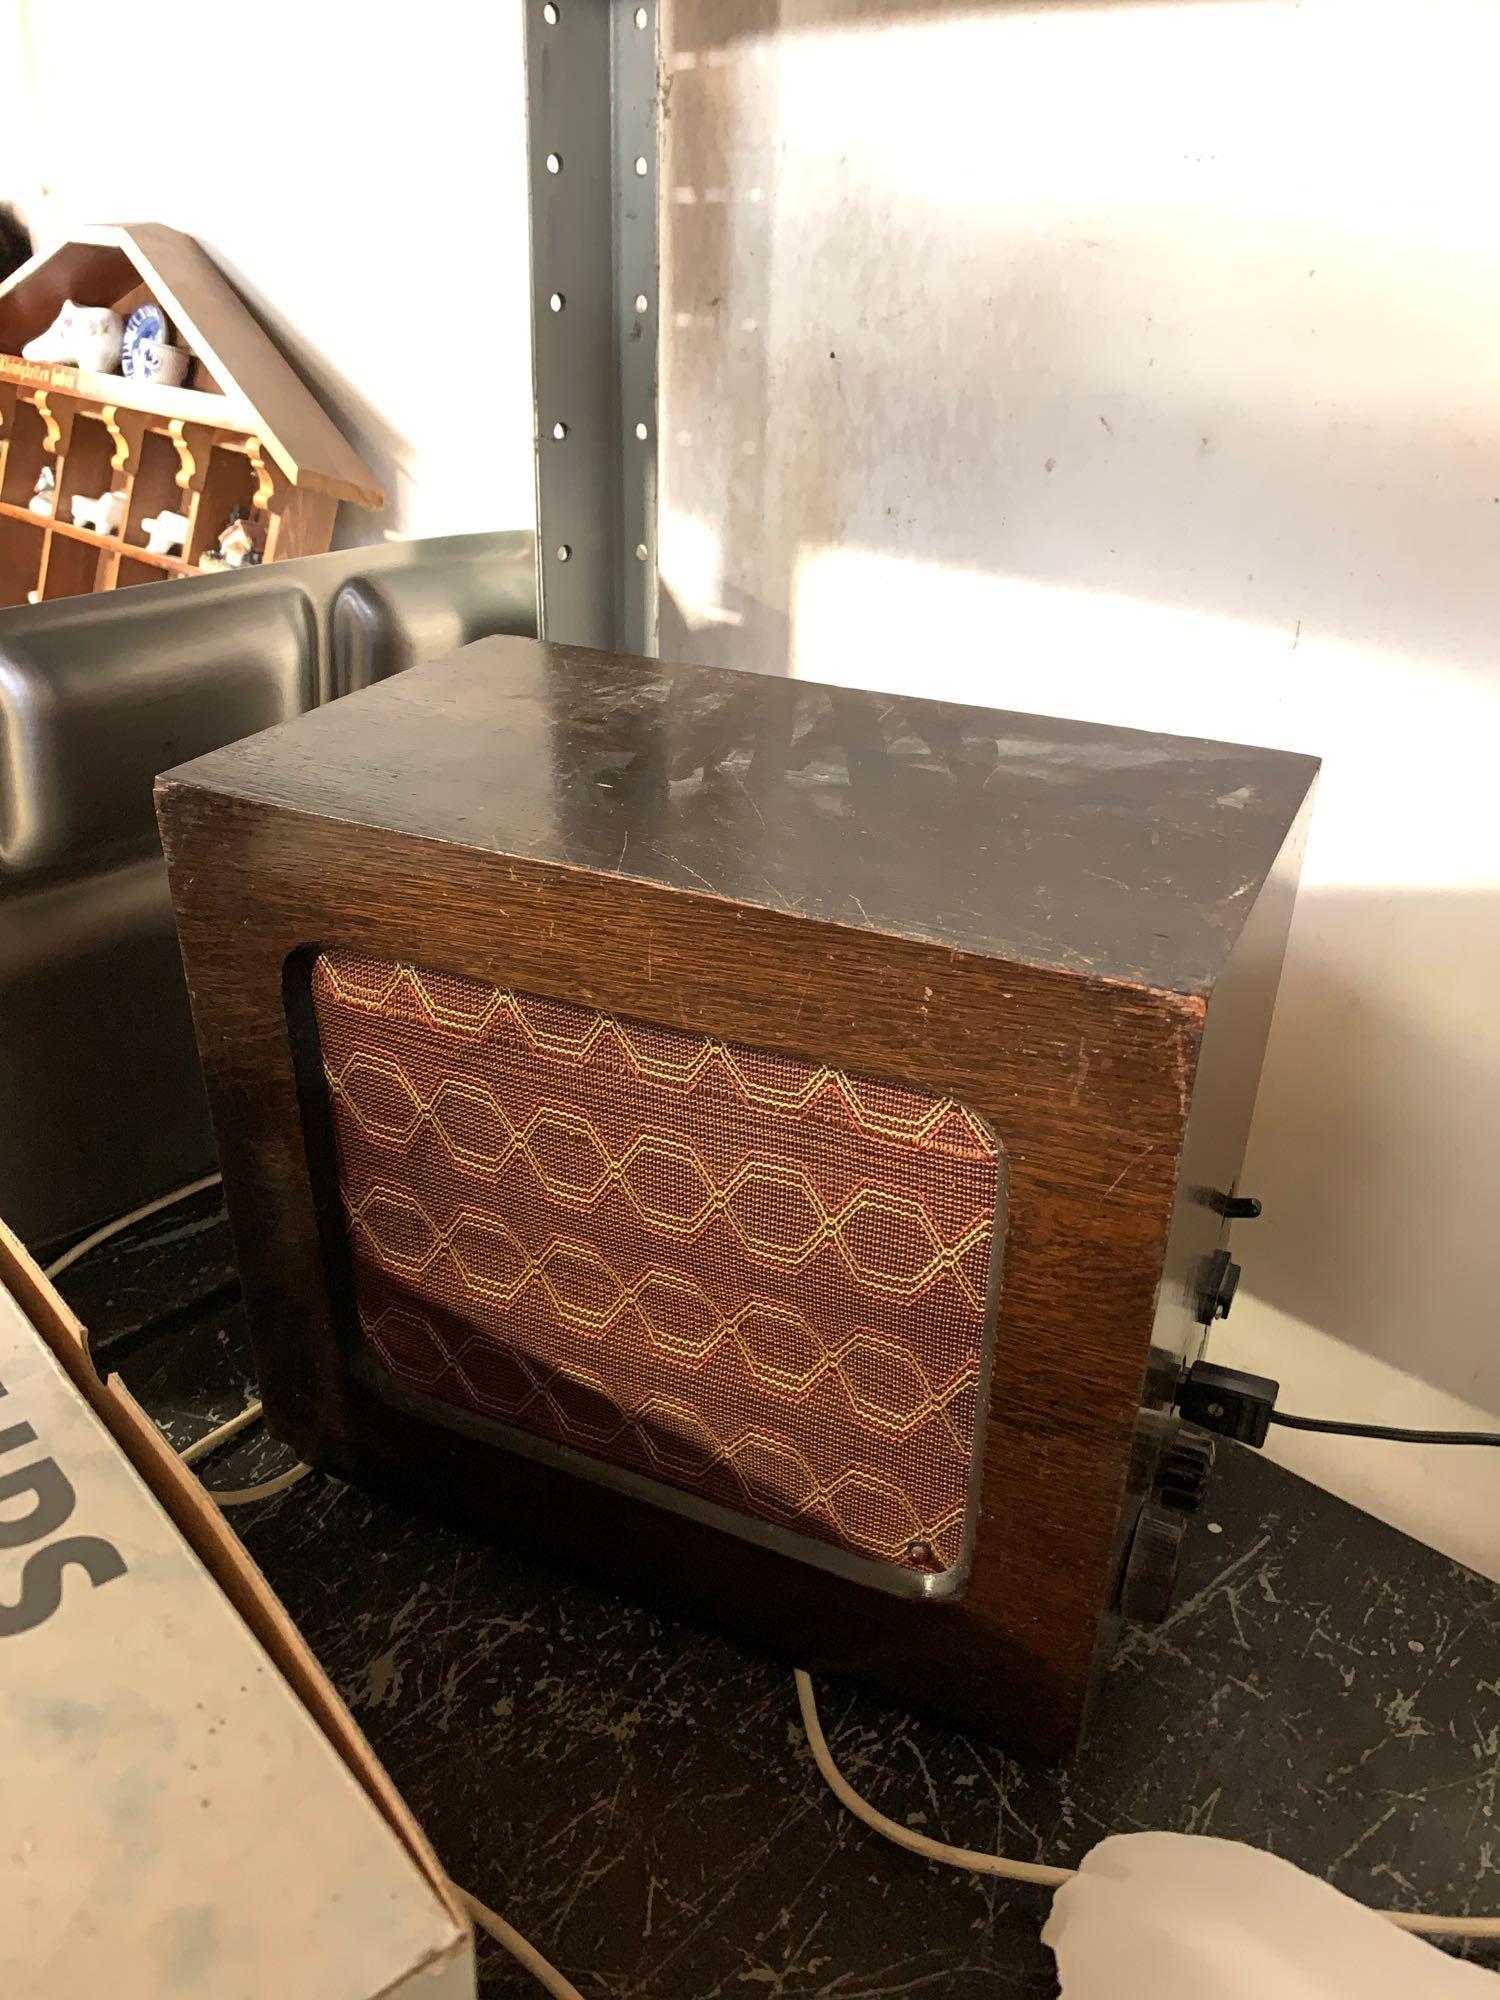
(636, 1794)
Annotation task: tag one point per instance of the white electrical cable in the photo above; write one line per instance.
(120, 1222)
(241, 1496)
(201, 1447)
(980, 1863)
(971, 1858)
(238, 1496)
(524, 1954)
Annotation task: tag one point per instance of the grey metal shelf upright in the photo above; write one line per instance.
(592, 127)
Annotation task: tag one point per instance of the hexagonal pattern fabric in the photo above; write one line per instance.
(743, 1274)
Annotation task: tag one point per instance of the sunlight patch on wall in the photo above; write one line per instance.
(1406, 797)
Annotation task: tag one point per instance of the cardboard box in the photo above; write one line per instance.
(188, 1807)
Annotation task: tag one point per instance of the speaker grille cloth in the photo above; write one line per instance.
(742, 1274)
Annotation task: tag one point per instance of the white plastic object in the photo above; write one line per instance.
(101, 516)
(166, 533)
(1175, 1916)
(89, 337)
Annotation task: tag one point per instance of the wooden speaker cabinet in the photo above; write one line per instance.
(768, 1143)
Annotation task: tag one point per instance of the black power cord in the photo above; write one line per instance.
(1233, 1404)
(1393, 1432)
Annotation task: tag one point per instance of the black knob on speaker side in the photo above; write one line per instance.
(1186, 1467)
(1151, 1568)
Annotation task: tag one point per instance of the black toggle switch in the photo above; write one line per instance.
(1221, 1281)
(1238, 1207)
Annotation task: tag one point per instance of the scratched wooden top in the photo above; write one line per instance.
(1105, 851)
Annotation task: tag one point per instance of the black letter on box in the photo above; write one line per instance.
(53, 1496)
(42, 1575)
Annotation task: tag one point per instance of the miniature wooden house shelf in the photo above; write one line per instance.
(241, 432)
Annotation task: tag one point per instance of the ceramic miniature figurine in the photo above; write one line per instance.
(103, 516)
(147, 354)
(146, 323)
(88, 336)
(152, 361)
(239, 545)
(44, 493)
(166, 534)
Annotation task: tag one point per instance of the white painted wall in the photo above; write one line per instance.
(1142, 362)
(360, 173)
